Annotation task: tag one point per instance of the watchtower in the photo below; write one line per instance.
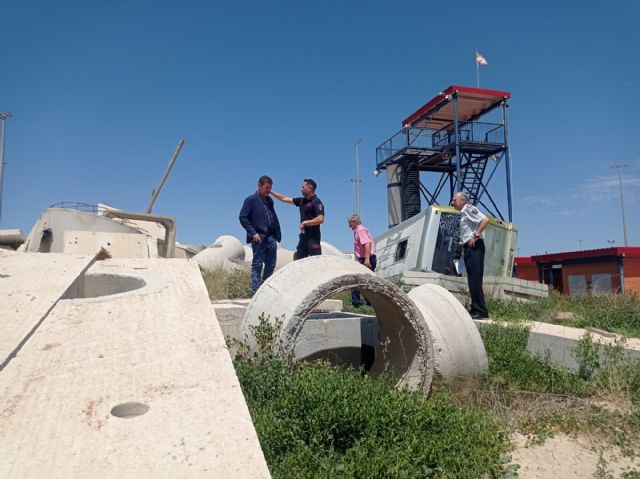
(458, 139)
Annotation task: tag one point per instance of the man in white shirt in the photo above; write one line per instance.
(472, 226)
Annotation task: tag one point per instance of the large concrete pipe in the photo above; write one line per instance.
(330, 250)
(459, 351)
(224, 248)
(283, 256)
(406, 347)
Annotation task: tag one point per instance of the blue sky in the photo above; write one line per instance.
(101, 92)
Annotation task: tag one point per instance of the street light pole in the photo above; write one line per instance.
(357, 146)
(619, 167)
(3, 117)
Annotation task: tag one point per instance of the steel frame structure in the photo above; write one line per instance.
(446, 137)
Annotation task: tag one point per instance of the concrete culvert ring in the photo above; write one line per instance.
(459, 350)
(405, 345)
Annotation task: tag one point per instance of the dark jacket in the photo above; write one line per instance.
(253, 217)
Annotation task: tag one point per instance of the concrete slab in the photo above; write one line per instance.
(495, 286)
(135, 384)
(558, 343)
(230, 313)
(344, 339)
(31, 284)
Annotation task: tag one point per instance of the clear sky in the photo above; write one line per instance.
(101, 92)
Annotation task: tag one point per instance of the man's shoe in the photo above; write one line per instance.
(479, 317)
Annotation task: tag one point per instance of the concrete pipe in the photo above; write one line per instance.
(283, 257)
(224, 248)
(330, 250)
(459, 351)
(405, 348)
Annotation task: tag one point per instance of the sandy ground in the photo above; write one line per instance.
(566, 457)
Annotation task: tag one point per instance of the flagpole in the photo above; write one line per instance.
(477, 71)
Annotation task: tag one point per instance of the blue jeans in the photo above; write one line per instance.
(264, 253)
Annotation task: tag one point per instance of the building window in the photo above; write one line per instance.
(601, 283)
(577, 285)
(401, 250)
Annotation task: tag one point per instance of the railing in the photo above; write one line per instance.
(472, 132)
(429, 139)
(405, 138)
(74, 205)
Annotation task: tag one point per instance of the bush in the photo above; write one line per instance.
(314, 420)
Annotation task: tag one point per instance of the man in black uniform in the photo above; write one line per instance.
(311, 217)
(472, 226)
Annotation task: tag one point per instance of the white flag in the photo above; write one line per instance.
(481, 60)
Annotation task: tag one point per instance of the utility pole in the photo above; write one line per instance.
(357, 202)
(3, 117)
(156, 192)
(619, 166)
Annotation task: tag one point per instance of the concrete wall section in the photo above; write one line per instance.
(459, 351)
(118, 245)
(47, 235)
(294, 291)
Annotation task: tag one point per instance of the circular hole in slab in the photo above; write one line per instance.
(128, 410)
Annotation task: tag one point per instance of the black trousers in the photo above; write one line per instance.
(474, 263)
(356, 298)
(308, 245)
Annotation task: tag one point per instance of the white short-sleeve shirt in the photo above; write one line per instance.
(470, 218)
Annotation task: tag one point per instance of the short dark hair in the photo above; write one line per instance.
(265, 179)
(309, 181)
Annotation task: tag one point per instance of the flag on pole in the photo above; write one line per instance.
(480, 60)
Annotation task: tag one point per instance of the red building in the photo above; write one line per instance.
(576, 273)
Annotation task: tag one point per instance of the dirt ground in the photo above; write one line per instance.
(568, 457)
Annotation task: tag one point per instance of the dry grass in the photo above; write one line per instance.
(227, 285)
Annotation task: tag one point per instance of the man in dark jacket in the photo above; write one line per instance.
(258, 217)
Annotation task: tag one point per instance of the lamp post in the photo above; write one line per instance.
(619, 166)
(357, 199)
(3, 117)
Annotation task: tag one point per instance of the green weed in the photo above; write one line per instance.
(614, 312)
(314, 420)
